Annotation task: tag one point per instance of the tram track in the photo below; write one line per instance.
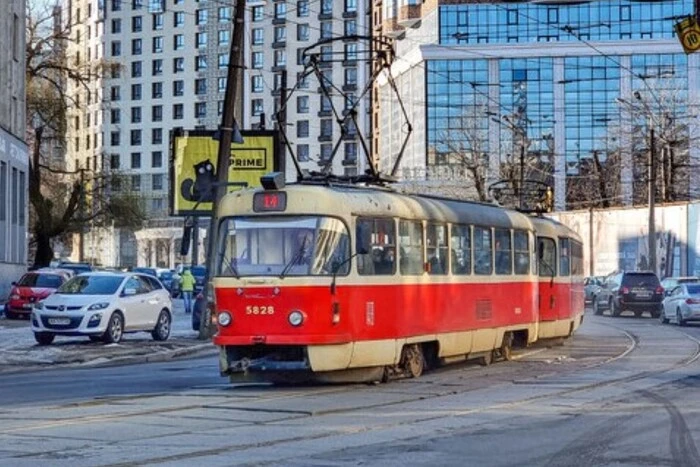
(444, 385)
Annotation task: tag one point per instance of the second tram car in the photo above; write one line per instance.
(357, 283)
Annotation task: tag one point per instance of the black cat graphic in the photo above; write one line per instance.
(202, 188)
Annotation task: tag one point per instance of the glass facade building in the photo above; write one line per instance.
(573, 90)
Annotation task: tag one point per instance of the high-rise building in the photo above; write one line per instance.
(578, 91)
(14, 162)
(165, 65)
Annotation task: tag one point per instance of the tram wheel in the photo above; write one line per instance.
(412, 360)
(486, 359)
(506, 350)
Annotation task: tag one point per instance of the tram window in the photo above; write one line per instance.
(483, 253)
(411, 248)
(564, 258)
(504, 252)
(521, 252)
(461, 249)
(436, 237)
(576, 258)
(380, 259)
(547, 257)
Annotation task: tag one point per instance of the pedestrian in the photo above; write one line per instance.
(187, 282)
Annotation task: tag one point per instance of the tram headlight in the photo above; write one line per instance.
(296, 318)
(224, 318)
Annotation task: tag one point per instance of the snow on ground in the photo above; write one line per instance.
(19, 349)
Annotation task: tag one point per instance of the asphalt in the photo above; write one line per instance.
(19, 352)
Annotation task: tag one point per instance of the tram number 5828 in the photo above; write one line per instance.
(259, 310)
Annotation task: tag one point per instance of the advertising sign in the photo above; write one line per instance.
(193, 162)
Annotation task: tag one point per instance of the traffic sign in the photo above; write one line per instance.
(688, 32)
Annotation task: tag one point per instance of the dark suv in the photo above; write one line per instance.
(634, 291)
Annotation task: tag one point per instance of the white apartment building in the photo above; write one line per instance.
(166, 63)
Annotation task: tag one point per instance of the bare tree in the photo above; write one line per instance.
(62, 201)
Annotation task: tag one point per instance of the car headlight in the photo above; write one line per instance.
(96, 317)
(224, 318)
(39, 306)
(98, 306)
(295, 318)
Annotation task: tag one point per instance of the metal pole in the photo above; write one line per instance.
(81, 232)
(652, 200)
(222, 165)
(195, 241)
(522, 174)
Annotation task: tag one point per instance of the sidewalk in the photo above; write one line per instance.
(20, 352)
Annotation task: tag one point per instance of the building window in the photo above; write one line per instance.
(201, 63)
(136, 137)
(258, 36)
(224, 14)
(200, 109)
(302, 129)
(114, 161)
(114, 138)
(178, 112)
(200, 86)
(280, 57)
(280, 32)
(116, 48)
(135, 160)
(223, 60)
(302, 32)
(351, 152)
(221, 84)
(136, 182)
(326, 7)
(136, 4)
(156, 159)
(302, 81)
(303, 104)
(219, 108)
(178, 64)
(201, 17)
(115, 116)
(136, 69)
(158, 44)
(351, 6)
(302, 8)
(326, 151)
(224, 36)
(116, 26)
(178, 88)
(115, 93)
(156, 136)
(157, 66)
(351, 76)
(327, 128)
(350, 27)
(351, 52)
(257, 107)
(157, 113)
(201, 39)
(256, 83)
(136, 46)
(326, 29)
(303, 152)
(136, 24)
(326, 53)
(136, 115)
(257, 61)
(280, 10)
(135, 92)
(326, 104)
(157, 90)
(178, 19)
(258, 13)
(116, 5)
(157, 182)
(157, 22)
(179, 41)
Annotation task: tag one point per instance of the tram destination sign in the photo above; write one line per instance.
(193, 161)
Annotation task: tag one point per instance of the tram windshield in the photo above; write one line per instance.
(283, 246)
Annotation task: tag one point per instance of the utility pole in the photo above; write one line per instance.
(224, 155)
(81, 232)
(652, 199)
(522, 174)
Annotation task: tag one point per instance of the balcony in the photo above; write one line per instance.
(409, 16)
(392, 28)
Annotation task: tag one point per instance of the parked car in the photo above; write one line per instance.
(633, 291)
(103, 306)
(166, 277)
(33, 287)
(200, 275)
(175, 285)
(590, 287)
(682, 304)
(670, 283)
(77, 268)
(149, 271)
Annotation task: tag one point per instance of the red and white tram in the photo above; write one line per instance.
(356, 283)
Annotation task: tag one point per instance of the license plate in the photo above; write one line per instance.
(27, 306)
(59, 321)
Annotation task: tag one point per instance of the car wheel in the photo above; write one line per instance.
(596, 307)
(115, 329)
(162, 330)
(679, 319)
(614, 310)
(662, 317)
(44, 338)
(656, 312)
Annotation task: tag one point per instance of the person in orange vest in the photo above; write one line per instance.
(187, 282)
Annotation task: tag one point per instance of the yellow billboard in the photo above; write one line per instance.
(193, 163)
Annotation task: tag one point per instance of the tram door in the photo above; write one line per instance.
(547, 270)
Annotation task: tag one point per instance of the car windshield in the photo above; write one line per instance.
(49, 281)
(149, 271)
(166, 275)
(91, 285)
(693, 289)
(641, 280)
(276, 246)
